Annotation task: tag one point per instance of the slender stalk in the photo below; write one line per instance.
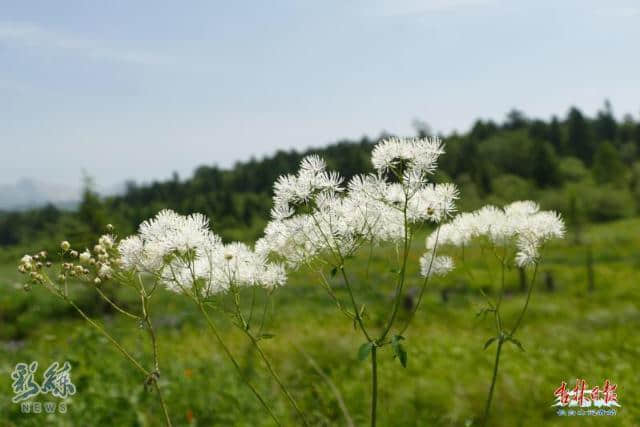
(425, 283)
(403, 271)
(234, 362)
(374, 385)
(332, 386)
(116, 306)
(353, 302)
(276, 377)
(526, 303)
(124, 352)
(156, 364)
(325, 283)
(493, 382)
(246, 329)
(501, 336)
(164, 406)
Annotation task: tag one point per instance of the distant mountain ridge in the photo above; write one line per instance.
(28, 194)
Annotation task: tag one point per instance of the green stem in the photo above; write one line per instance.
(154, 343)
(353, 302)
(374, 385)
(493, 382)
(276, 377)
(526, 303)
(234, 362)
(164, 406)
(109, 337)
(425, 283)
(114, 305)
(403, 271)
(331, 384)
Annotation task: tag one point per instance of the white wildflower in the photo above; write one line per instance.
(435, 266)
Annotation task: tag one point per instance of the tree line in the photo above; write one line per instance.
(588, 168)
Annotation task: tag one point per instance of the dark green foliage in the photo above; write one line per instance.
(607, 166)
(580, 139)
(520, 158)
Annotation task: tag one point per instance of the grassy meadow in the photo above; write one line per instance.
(569, 332)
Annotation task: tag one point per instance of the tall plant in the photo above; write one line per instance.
(186, 257)
(325, 226)
(94, 268)
(513, 237)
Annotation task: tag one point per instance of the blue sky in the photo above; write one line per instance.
(137, 90)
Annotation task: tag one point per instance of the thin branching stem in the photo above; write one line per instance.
(116, 306)
(401, 279)
(526, 303)
(425, 283)
(275, 376)
(106, 334)
(246, 329)
(215, 332)
(502, 337)
(155, 375)
(332, 386)
(374, 385)
(493, 382)
(354, 304)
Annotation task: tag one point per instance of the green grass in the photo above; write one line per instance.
(567, 334)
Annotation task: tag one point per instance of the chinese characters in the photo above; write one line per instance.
(583, 396)
(57, 381)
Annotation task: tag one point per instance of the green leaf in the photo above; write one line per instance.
(489, 342)
(516, 342)
(266, 336)
(364, 351)
(362, 311)
(398, 349)
(395, 270)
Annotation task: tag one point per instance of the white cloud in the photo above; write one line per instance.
(36, 37)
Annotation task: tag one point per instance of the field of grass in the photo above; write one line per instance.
(569, 332)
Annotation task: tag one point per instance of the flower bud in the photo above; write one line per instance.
(65, 246)
(73, 254)
(85, 256)
(97, 280)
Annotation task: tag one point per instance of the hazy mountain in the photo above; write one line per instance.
(28, 193)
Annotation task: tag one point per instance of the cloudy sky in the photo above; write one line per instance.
(136, 90)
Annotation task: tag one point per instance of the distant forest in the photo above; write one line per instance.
(588, 168)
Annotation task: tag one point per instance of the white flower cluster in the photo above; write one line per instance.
(521, 223)
(435, 266)
(314, 214)
(185, 254)
(417, 153)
